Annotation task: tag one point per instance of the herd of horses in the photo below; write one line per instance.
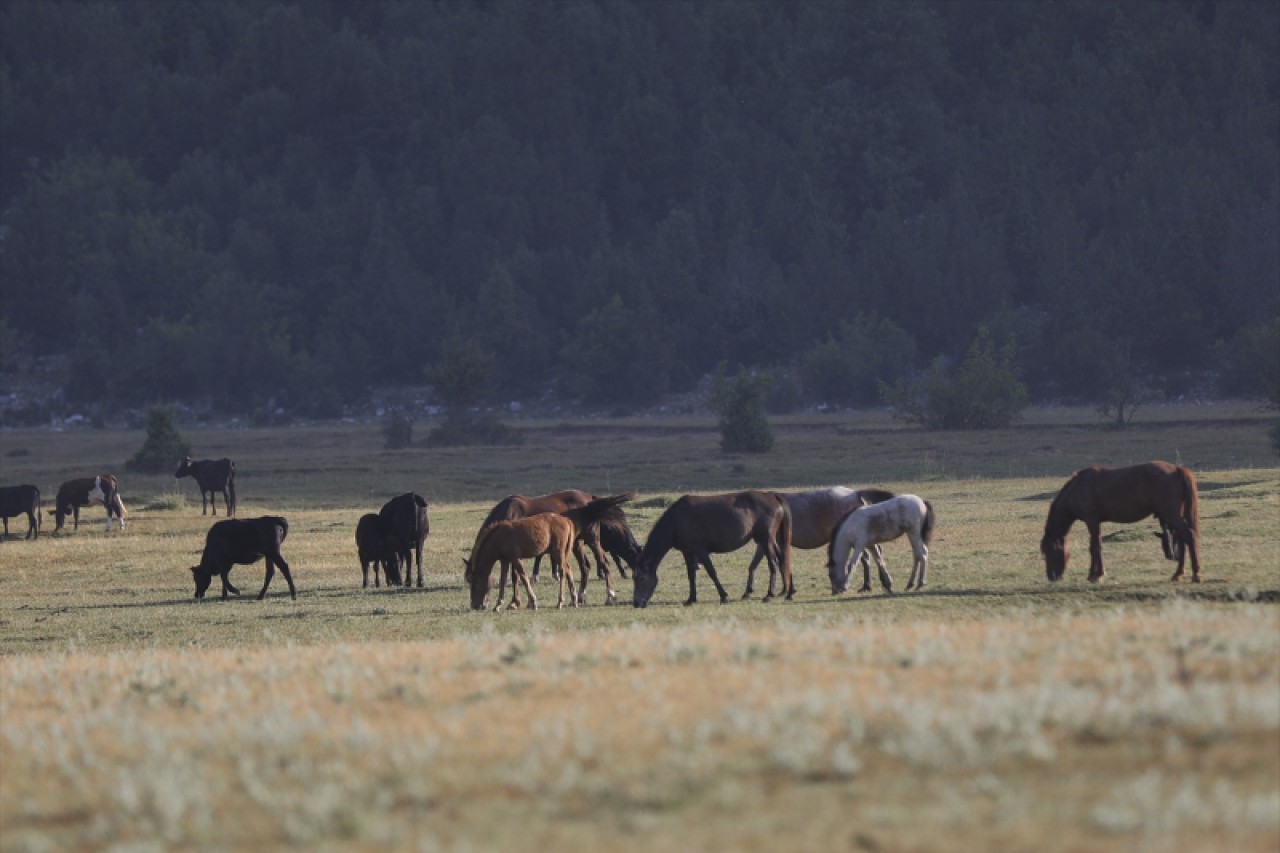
(850, 523)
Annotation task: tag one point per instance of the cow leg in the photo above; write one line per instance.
(6, 527)
(76, 513)
(271, 570)
(227, 585)
(364, 574)
(406, 559)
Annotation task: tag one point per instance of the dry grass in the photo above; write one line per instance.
(992, 710)
(1153, 727)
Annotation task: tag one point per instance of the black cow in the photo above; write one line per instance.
(378, 547)
(243, 541)
(405, 519)
(16, 500)
(212, 476)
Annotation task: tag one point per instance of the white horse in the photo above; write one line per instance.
(867, 526)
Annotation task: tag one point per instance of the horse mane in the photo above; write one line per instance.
(835, 533)
(661, 538)
(875, 496)
(1060, 517)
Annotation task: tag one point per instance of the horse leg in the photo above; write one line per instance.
(537, 566)
(886, 582)
(524, 580)
(751, 573)
(692, 567)
(1186, 541)
(919, 553)
(502, 585)
(859, 550)
(1096, 571)
(711, 570)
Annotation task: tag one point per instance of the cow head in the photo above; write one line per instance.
(202, 578)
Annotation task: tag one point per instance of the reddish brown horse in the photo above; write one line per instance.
(520, 506)
(1125, 495)
(509, 542)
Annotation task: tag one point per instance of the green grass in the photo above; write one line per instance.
(991, 709)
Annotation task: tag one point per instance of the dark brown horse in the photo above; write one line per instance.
(1125, 495)
(701, 525)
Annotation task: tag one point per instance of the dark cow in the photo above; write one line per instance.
(377, 547)
(16, 500)
(405, 519)
(85, 491)
(236, 541)
(212, 476)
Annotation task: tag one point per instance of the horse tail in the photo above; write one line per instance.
(1190, 500)
(784, 545)
(926, 529)
(600, 509)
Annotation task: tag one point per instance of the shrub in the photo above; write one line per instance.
(472, 429)
(984, 392)
(164, 448)
(397, 431)
(744, 428)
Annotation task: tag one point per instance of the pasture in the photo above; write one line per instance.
(990, 709)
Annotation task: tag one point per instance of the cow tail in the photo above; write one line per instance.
(1190, 500)
(926, 529)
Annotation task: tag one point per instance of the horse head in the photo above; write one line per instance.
(644, 576)
(1056, 554)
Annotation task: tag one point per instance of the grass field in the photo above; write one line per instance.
(990, 710)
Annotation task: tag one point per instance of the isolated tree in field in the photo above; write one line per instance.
(164, 447)
(744, 428)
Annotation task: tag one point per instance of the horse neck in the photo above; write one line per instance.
(839, 546)
(1060, 519)
(661, 540)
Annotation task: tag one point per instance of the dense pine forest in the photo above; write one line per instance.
(226, 202)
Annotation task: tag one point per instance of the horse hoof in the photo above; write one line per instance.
(766, 599)
(724, 599)
(690, 601)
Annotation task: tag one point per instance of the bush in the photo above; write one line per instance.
(397, 431)
(983, 393)
(744, 428)
(164, 448)
(473, 430)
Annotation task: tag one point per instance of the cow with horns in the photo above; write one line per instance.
(212, 476)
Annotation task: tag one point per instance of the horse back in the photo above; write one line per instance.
(1130, 494)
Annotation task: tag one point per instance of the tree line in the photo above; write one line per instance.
(235, 202)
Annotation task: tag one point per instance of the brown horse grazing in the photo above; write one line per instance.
(1125, 495)
(814, 517)
(520, 506)
(701, 525)
(510, 542)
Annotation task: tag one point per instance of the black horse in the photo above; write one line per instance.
(701, 525)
